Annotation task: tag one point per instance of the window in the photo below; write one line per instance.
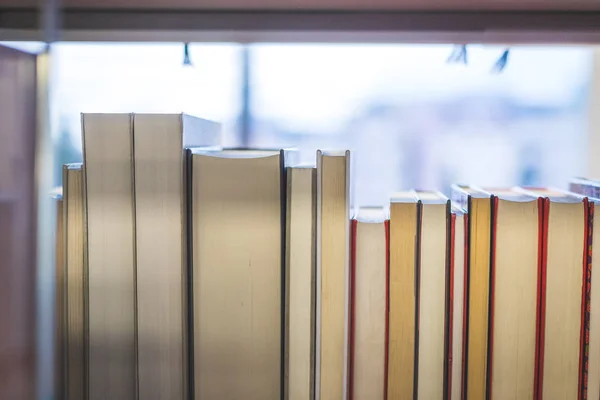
(410, 118)
(414, 120)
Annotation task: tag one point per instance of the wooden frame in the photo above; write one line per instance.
(551, 27)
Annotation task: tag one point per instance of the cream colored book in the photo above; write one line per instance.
(514, 295)
(161, 260)
(300, 284)
(402, 333)
(432, 294)
(75, 281)
(108, 183)
(564, 275)
(237, 269)
(333, 250)
(368, 304)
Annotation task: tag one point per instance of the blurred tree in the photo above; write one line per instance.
(65, 151)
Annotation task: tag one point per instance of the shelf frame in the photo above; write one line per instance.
(248, 26)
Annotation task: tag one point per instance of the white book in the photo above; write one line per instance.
(237, 254)
(432, 294)
(300, 284)
(161, 259)
(333, 250)
(108, 183)
(368, 302)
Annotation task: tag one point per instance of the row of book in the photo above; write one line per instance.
(186, 270)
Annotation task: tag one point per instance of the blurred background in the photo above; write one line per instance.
(411, 118)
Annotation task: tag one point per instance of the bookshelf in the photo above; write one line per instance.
(321, 21)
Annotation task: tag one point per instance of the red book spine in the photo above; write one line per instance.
(588, 290)
(463, 393)
(543, 213)
(353, 227)
(387, 307)
(451, 305)
(585, 328)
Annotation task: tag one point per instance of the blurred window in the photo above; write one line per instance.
(414, 120)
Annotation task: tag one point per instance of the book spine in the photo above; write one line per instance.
(543, 213)
(450, 305)
(283, 250)
(490, 349)
(387, 309)
(589, 298)
(353, 229)
(463, 390)
(586, 284)
(417, 299)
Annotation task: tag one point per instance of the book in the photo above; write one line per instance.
(74, 249)
(238, 229)
(517, 233)
(402, 306)
(110, 216)
(478, 205)
(433, 263)
(457, 303)
(159, 141)
(300, 276)
(59, 300)
(333, 252)
(591, 362)
(563, 298)
(368, 302)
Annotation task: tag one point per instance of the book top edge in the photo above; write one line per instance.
(457, 210)
(554, 195)
(302, 166)
(431, 197)
(373, 214)
(408, 196)
(234, 154)
(334, 153)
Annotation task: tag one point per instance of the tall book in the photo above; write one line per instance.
(476, 333)
(333, 235)
(74, 248)
(402, 316)
(161, 260)
(369, 281)
(517, 232)
(109, 199)
(563, 298)
(591, 373)
(300, 276)
(238, 226)
(456, 306)
(432, 294)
